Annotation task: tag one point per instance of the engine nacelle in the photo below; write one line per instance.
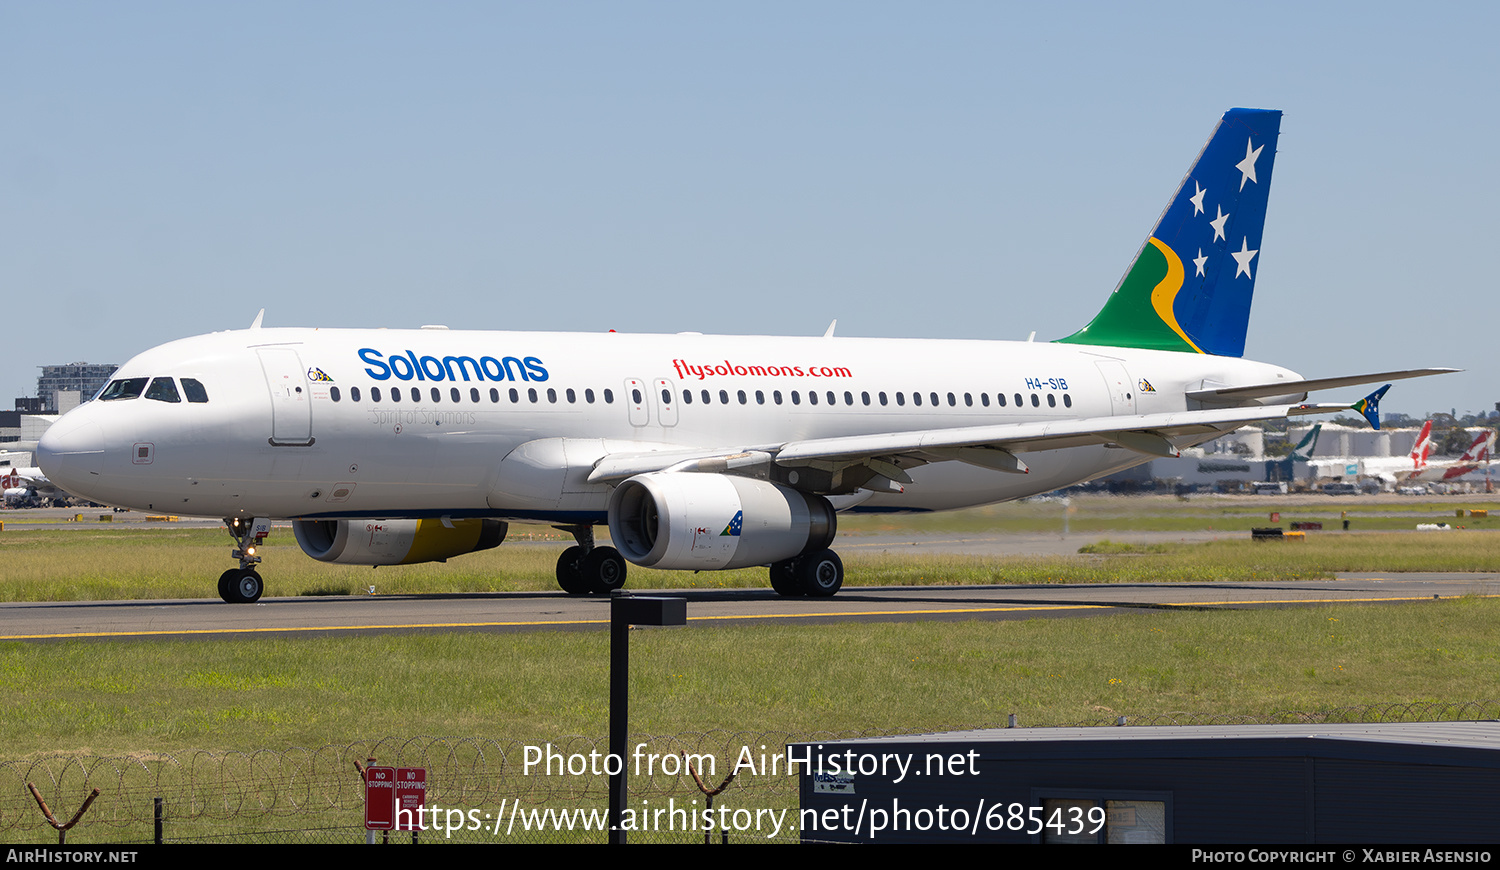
(395, 542)
(708, 522)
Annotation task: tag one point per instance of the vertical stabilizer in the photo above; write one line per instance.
(1423, 448)
(1190, 285)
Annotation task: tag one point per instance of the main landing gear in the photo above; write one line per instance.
(243, 585)
(817, 575)
(587, 569)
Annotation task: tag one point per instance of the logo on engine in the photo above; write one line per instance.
(733, 529)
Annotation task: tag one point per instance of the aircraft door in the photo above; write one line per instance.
(1121, 390)
(291, 402)
(635, 400)
(666, 408)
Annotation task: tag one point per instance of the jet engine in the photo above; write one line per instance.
(706, 522)
(395, 542)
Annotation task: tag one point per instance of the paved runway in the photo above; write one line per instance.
(533, 611)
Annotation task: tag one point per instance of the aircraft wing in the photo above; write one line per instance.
(1290, 388)
(991, 446)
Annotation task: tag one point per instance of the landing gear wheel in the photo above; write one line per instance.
(246, 586)
(226, 585)
(820, 574)
(604, 570)
(570, 572)
(784, 579)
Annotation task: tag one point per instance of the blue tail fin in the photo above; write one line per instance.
(1190, 286)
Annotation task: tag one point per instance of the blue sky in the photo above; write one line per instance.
(966, 170)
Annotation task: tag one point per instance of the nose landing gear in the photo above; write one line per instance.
(243, 585)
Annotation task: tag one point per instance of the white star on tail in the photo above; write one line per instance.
(1197, 199)
(1247, 166)
(1243, 257)
(1199, 261)
(1218, 224)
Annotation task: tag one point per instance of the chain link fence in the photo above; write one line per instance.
(492, 791)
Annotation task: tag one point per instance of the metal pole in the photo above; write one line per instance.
(619, 709)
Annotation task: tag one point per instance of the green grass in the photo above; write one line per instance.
(170, 696)
(114, 564)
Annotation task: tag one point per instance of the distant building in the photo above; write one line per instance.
(82, 378)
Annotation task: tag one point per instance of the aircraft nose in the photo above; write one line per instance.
(71, 453)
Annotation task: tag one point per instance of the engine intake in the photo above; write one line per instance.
(709, 522)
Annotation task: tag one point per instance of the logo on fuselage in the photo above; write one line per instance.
(409, 366)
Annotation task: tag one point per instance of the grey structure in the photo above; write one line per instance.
(1429, 782)
(84, 378)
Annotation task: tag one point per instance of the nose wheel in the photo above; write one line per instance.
(243, 585)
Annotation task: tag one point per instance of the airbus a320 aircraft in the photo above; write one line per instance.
(700, 453)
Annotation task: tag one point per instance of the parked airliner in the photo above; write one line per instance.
(699, 452)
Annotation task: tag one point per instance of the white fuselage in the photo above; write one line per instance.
(309, 423)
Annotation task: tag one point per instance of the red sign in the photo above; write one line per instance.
(380, 798)
(411, 796)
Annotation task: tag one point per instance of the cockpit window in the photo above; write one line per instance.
(127, 388)
(194, 390)
(163, 390)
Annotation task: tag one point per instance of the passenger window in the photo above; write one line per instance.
(515, 397)
(375, 394)
(812, 397)
(473, 395)
(1067, 400)
(934, 399)
(588, 396)
(1035, 402)
(707, 399)
(882, 399)
(1051, 400)
(416, 394)
(741, 396)
(796, 399)
(1019, 402)
(901, 400)
(494, 395)
(454, 395)
(865, 397)
(195, 393)
(436, 396)
(984, 399)
(687, 397)
(353, 392)
(723, 397)
(130, 388)
(760, 397)
(531, 394)
(916, 399)
(333, 393)
(163, 390)
(776, 396)
(572, 396)
(832, 399)
(609, 397)
(968, 400)
(952, 401)
(1000, 399)
(395, 394)
(552, 395)
(666, 396)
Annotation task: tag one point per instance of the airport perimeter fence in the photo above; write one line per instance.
(483, 790)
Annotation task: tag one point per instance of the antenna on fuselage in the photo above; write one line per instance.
(829, 333)
(255, 324)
